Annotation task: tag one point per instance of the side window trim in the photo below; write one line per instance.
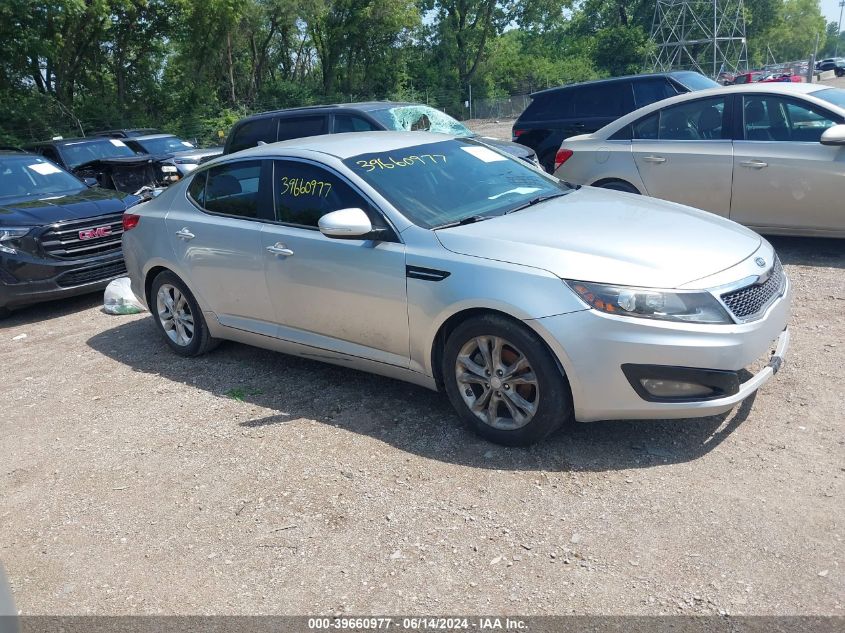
(262, 190)
(394, 237)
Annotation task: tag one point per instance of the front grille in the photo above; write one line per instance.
(749, 303)
(91, 274)
(64, 240)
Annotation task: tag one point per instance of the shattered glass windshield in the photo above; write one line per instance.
(419, 118)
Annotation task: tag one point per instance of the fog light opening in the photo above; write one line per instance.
(661, 388)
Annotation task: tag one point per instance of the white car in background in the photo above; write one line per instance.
(769, 156)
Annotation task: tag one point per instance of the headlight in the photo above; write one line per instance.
(692, 306)
(8, 237)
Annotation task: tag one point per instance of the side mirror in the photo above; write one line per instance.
(834, 135)
(347, 224)
(91, 182)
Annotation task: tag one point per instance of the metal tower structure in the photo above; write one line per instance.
(703, 35)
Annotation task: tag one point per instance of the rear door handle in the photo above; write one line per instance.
(754, 164)
(654, 159)
(280, 249)
(185, 234)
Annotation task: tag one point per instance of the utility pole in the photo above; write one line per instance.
(839, 30)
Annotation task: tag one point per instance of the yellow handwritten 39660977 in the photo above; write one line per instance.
(298, 187)
(388, 162)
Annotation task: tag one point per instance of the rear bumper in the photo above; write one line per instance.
(593, 348)
(44, 280)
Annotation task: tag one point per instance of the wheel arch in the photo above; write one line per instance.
(606, 181)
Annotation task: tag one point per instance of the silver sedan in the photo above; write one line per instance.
(769, 156)
(445, 263)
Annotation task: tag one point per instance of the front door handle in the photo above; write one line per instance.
(754, 164)
(280, 249)
(185, 234)
(654, 159)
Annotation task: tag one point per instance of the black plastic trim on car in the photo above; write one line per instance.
(723, 383)
(425, 274)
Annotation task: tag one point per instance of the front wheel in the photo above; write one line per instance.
(179, 317)
(504, 382)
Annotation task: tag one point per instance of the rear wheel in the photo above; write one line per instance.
(504, 382)
(619, 185)
(179, 317)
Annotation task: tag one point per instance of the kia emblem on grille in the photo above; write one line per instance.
(90, 234)
(760, 262)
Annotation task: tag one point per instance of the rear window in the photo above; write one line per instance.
(650, 90)
(548, 106)
(602, 100)
(250, 133)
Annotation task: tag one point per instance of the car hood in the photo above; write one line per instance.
(87, 203)
(606, 236)
(514, 149)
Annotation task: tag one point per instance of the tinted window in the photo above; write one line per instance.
(694, 81)
(196, 190)
(548, 106)
(351, 123)
(646, 128)
(768, 118)
(650, 90)
(611, 99)
(78, 152)
(439, 183)
(163, 145)
(305, 193)
(233, 189)
(693, 121)
(248, 134)
(300, 127)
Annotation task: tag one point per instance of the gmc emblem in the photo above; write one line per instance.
(90, 234)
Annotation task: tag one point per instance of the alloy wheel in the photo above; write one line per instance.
(497, 383)
(174, 313)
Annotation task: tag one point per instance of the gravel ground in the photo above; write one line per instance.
(137, 482)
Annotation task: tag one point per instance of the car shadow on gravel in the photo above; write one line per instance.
(39, 312)
(408, 417)
(809, 251)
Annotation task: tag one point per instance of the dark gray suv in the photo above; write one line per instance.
(372, 116)
(558, 113)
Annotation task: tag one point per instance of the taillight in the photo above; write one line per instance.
(517, 133)
(562, 156)
(130, 221)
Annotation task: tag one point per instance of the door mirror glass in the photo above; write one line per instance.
(834, 135)
(349, 224)
(91, 182)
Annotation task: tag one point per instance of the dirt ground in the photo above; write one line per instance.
(134, 481)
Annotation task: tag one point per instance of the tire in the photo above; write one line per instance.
(543, 400)
(619, 185)
(177, 330)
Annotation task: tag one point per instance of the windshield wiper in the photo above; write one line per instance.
(537, 200)
(472, 219)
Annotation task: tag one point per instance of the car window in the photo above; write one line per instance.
(251, 132)
(611, 99)
(419, 118)
(549, 106)
(49, 152)
(304, 193)
(230, 189)
(80, 152)
(836, 96)
(352, 123)
(650, 90)
(646, 128)
(300, 127)
(692, 80)
(699, 120)
(770, 118)
(32, 176)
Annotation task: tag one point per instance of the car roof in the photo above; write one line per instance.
(364, 106)
(74, 141)
(345, 145)
(776, 88)
(149, 137)
(670, 73)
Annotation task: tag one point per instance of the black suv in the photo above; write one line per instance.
(58, 237)
(558, 113)
(836, 64)
(282, 125)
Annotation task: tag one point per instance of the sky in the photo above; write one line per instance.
(830, 10)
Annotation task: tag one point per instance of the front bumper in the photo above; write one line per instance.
(26, 280)
(592, 347)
